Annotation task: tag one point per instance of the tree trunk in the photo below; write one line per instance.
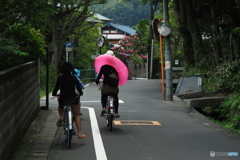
(215, 32)
(198, 47)
(180, 12)
(64, 22)
(57, 50)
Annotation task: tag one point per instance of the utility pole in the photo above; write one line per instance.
(150, 42)
(168, 57)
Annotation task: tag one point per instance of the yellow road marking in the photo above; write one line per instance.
(136, 122)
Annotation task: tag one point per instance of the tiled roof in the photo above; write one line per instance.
(123, 28)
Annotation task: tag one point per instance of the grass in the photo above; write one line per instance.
(225, 124)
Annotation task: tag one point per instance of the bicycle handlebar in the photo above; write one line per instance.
(100, 84)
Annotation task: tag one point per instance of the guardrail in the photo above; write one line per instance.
(88, 74)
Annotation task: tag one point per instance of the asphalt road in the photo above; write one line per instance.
(148, 129)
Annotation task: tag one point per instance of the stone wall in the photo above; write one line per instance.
(137, 70)
(19, 104)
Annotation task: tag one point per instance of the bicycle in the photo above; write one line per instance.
(110, 111)
(67, 125)
(68, 122)
(110, 107)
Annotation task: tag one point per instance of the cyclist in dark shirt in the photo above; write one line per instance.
(108, 87)
(67, 83)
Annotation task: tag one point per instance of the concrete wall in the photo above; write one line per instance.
(137, 70)
(141, 71)
(19, 104)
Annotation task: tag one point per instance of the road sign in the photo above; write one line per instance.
(164, 28)
(100, 41)
(68, 49)
(68, 45)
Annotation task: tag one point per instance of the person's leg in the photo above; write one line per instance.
(104, 100)
(116, 91)
(117, 115)
(60, 112)
(79, 104)
(116, 103)
(75, 111)
(104, 103)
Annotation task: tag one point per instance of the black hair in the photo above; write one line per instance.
(67, 67)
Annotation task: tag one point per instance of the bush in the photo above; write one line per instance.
(20, 44)
(52, 79)
(224, 78)
(10, 54)
(230, 111)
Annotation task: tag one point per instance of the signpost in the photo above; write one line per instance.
(162, 29)
(100, 42)
(68, 49)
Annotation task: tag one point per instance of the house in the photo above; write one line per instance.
(115, 32)
(111, 31)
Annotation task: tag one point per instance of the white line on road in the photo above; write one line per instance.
(86, 85)
(120, 101)
(97, 139)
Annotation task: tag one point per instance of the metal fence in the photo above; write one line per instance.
(88, 74)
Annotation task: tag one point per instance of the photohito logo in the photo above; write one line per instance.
(213, 154)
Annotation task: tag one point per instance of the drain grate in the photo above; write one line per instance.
(136, 122)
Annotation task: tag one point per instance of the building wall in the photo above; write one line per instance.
(113, 35)
(19, 104)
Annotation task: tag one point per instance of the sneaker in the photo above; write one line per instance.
(59, 123)
(103, 112)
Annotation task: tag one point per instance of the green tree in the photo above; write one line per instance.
(20, 44)
(142, 29)
(85, 47)
(12, 11)
(124, 12)
(67, 17)
(29, 40)
(207, 30)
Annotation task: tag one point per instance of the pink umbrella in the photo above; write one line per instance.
(114, 62)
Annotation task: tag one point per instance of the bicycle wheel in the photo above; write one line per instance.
(65, 124)
(68, 127)
(69, 138)
(110, 121)
(107, 114)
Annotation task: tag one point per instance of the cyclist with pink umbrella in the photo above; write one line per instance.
(114, 73)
